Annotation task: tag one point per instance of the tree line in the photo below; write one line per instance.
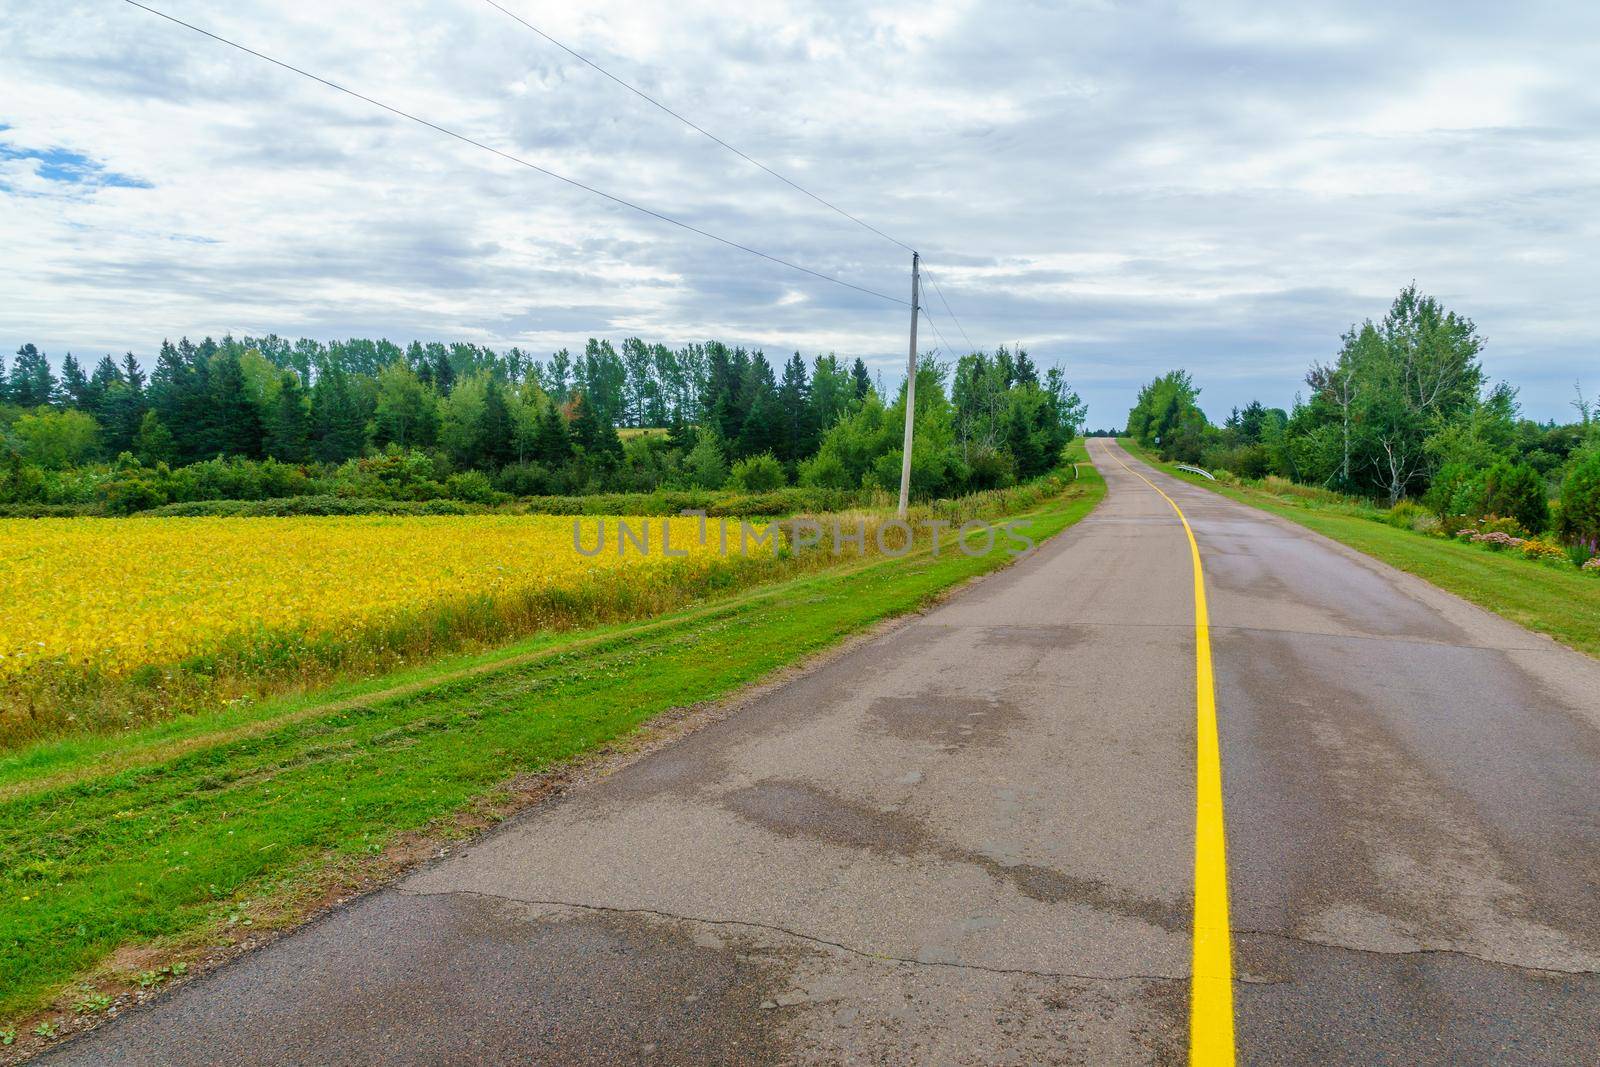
(1403, 410)
(506, 422)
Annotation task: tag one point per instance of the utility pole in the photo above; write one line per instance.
(911, 388)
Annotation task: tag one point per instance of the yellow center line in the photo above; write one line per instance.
(1211, 972)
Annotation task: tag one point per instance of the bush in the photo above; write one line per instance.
(292, 507)
(45, 511)
(1247, 461)
(1517, 491)
(524, 479)
(128, 495)
(757, 474)
(1507, 526)
(1404, 515)
(472, 487)
(1456, 493)
(1580, 499)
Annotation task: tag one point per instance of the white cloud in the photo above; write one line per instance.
(1121, 187)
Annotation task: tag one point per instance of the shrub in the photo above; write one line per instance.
(757, 474)
(290, 507)
(1517, 491)
(1592, 567)
(128, 495)
(1502, 525)
(1456, 492)
(1404, 515)
(524, 479)
(1580, 498)
(1249, 461)
(472, 487)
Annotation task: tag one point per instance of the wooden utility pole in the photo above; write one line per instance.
(911, 388)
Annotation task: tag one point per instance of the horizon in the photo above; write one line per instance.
(1224, 190)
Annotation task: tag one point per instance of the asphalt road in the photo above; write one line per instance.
(971, 841)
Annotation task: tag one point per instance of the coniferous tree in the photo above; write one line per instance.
(105, 375)
(233, 423)
(798, 427)
(174, 397)
(32, 384)
(444, 375)
(551, 444)
(862, 379)
(496, 431)
(289, 425)
(336, 424)
(132, 374)
(122, 407)
(74, 389)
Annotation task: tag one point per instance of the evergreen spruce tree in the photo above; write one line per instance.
(336, 426)
(32, 384)
(233, 423)
(289, 423)
(105, 375)
(74, 384)
(552, 446)
(132, 374)
(862, 379)
(798, 429)
(444, 375)
(496, 431)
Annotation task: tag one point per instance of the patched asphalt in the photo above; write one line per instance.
(970, 841)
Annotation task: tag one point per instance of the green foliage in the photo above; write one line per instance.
(1166, 417)
(344, 410)
(473, 487)
(1517, 491)
(291, 507)
(1580, 499)
(706, 465)
(757, 474)
(55, 440)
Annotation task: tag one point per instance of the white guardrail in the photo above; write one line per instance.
(1194, 470)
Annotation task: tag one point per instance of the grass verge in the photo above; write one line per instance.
(131, 854)
(1554, 599)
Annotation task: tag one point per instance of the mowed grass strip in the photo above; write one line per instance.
(175, 847)
(1560, 601)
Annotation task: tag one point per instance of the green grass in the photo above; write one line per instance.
(177, 833)
(1554, 599)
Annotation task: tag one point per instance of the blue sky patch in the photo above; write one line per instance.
(71, 168)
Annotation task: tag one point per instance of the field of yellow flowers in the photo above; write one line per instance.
(93, 603)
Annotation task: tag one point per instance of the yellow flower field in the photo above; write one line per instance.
(117, 594)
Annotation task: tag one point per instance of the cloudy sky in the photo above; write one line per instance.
(1123, 188)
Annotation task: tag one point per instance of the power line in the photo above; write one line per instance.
(517, 159)
(641, 94)
(948, 347)
(951, 310)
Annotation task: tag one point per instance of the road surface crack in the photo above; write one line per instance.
(878, 957)
(1463, 953)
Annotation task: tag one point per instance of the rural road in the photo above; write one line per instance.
(972, 840)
